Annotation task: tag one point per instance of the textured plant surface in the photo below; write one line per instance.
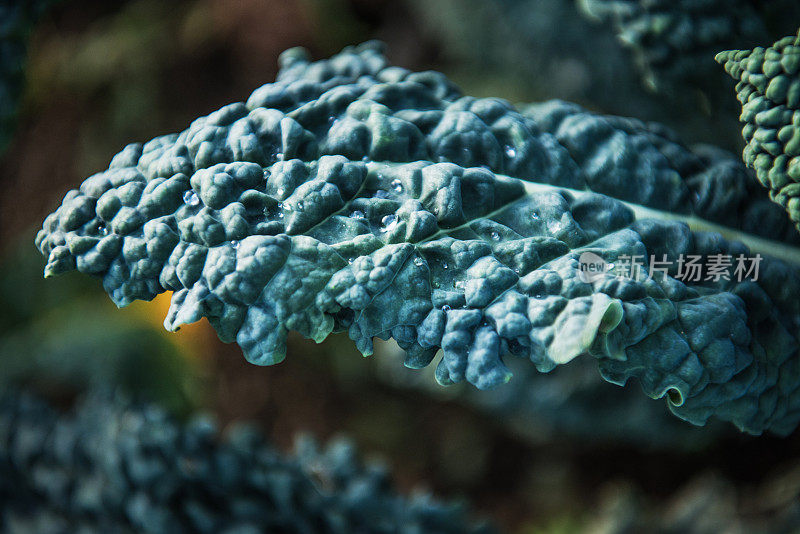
(353, 195)
(674, 40)
(534, 50)
(768, 86)
(115, 466)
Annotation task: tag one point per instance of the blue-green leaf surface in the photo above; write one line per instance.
(673, 41)
(354, 196)
(114, 466)
(768, 87)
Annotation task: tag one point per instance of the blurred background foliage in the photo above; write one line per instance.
(555, 453)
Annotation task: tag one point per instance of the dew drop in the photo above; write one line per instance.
(235, 244)
(510, 151)
(351, 260)
(103, 229)
(419, 262)
(266, 173)
(279, 156)
(538, 296)
(380, 193)
(444, 265)
(446, 308)
(397, 186)
(495, 236)
(300, 205)
(190, 198)
(357, 214)
(365, 159)
(535, 215)
(388, 221)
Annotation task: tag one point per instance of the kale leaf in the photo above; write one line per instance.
(351, 195)
(768, 87)
(673, 41)
(112, 465)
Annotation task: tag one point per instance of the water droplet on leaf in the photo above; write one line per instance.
(446, 308)
(388, 221)
(496, 236)
(510, 151)
(357, 214)
(397, 186)
(190, 198)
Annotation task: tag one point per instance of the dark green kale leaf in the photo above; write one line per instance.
(768, 86)
(674, 41)
(354, 196)
(111, 465)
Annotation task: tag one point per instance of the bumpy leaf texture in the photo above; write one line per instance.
(113, 466)
(768, 86)
(354, 196)
(674, 40)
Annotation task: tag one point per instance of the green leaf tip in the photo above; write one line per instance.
(352, 195)
(768, 87)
